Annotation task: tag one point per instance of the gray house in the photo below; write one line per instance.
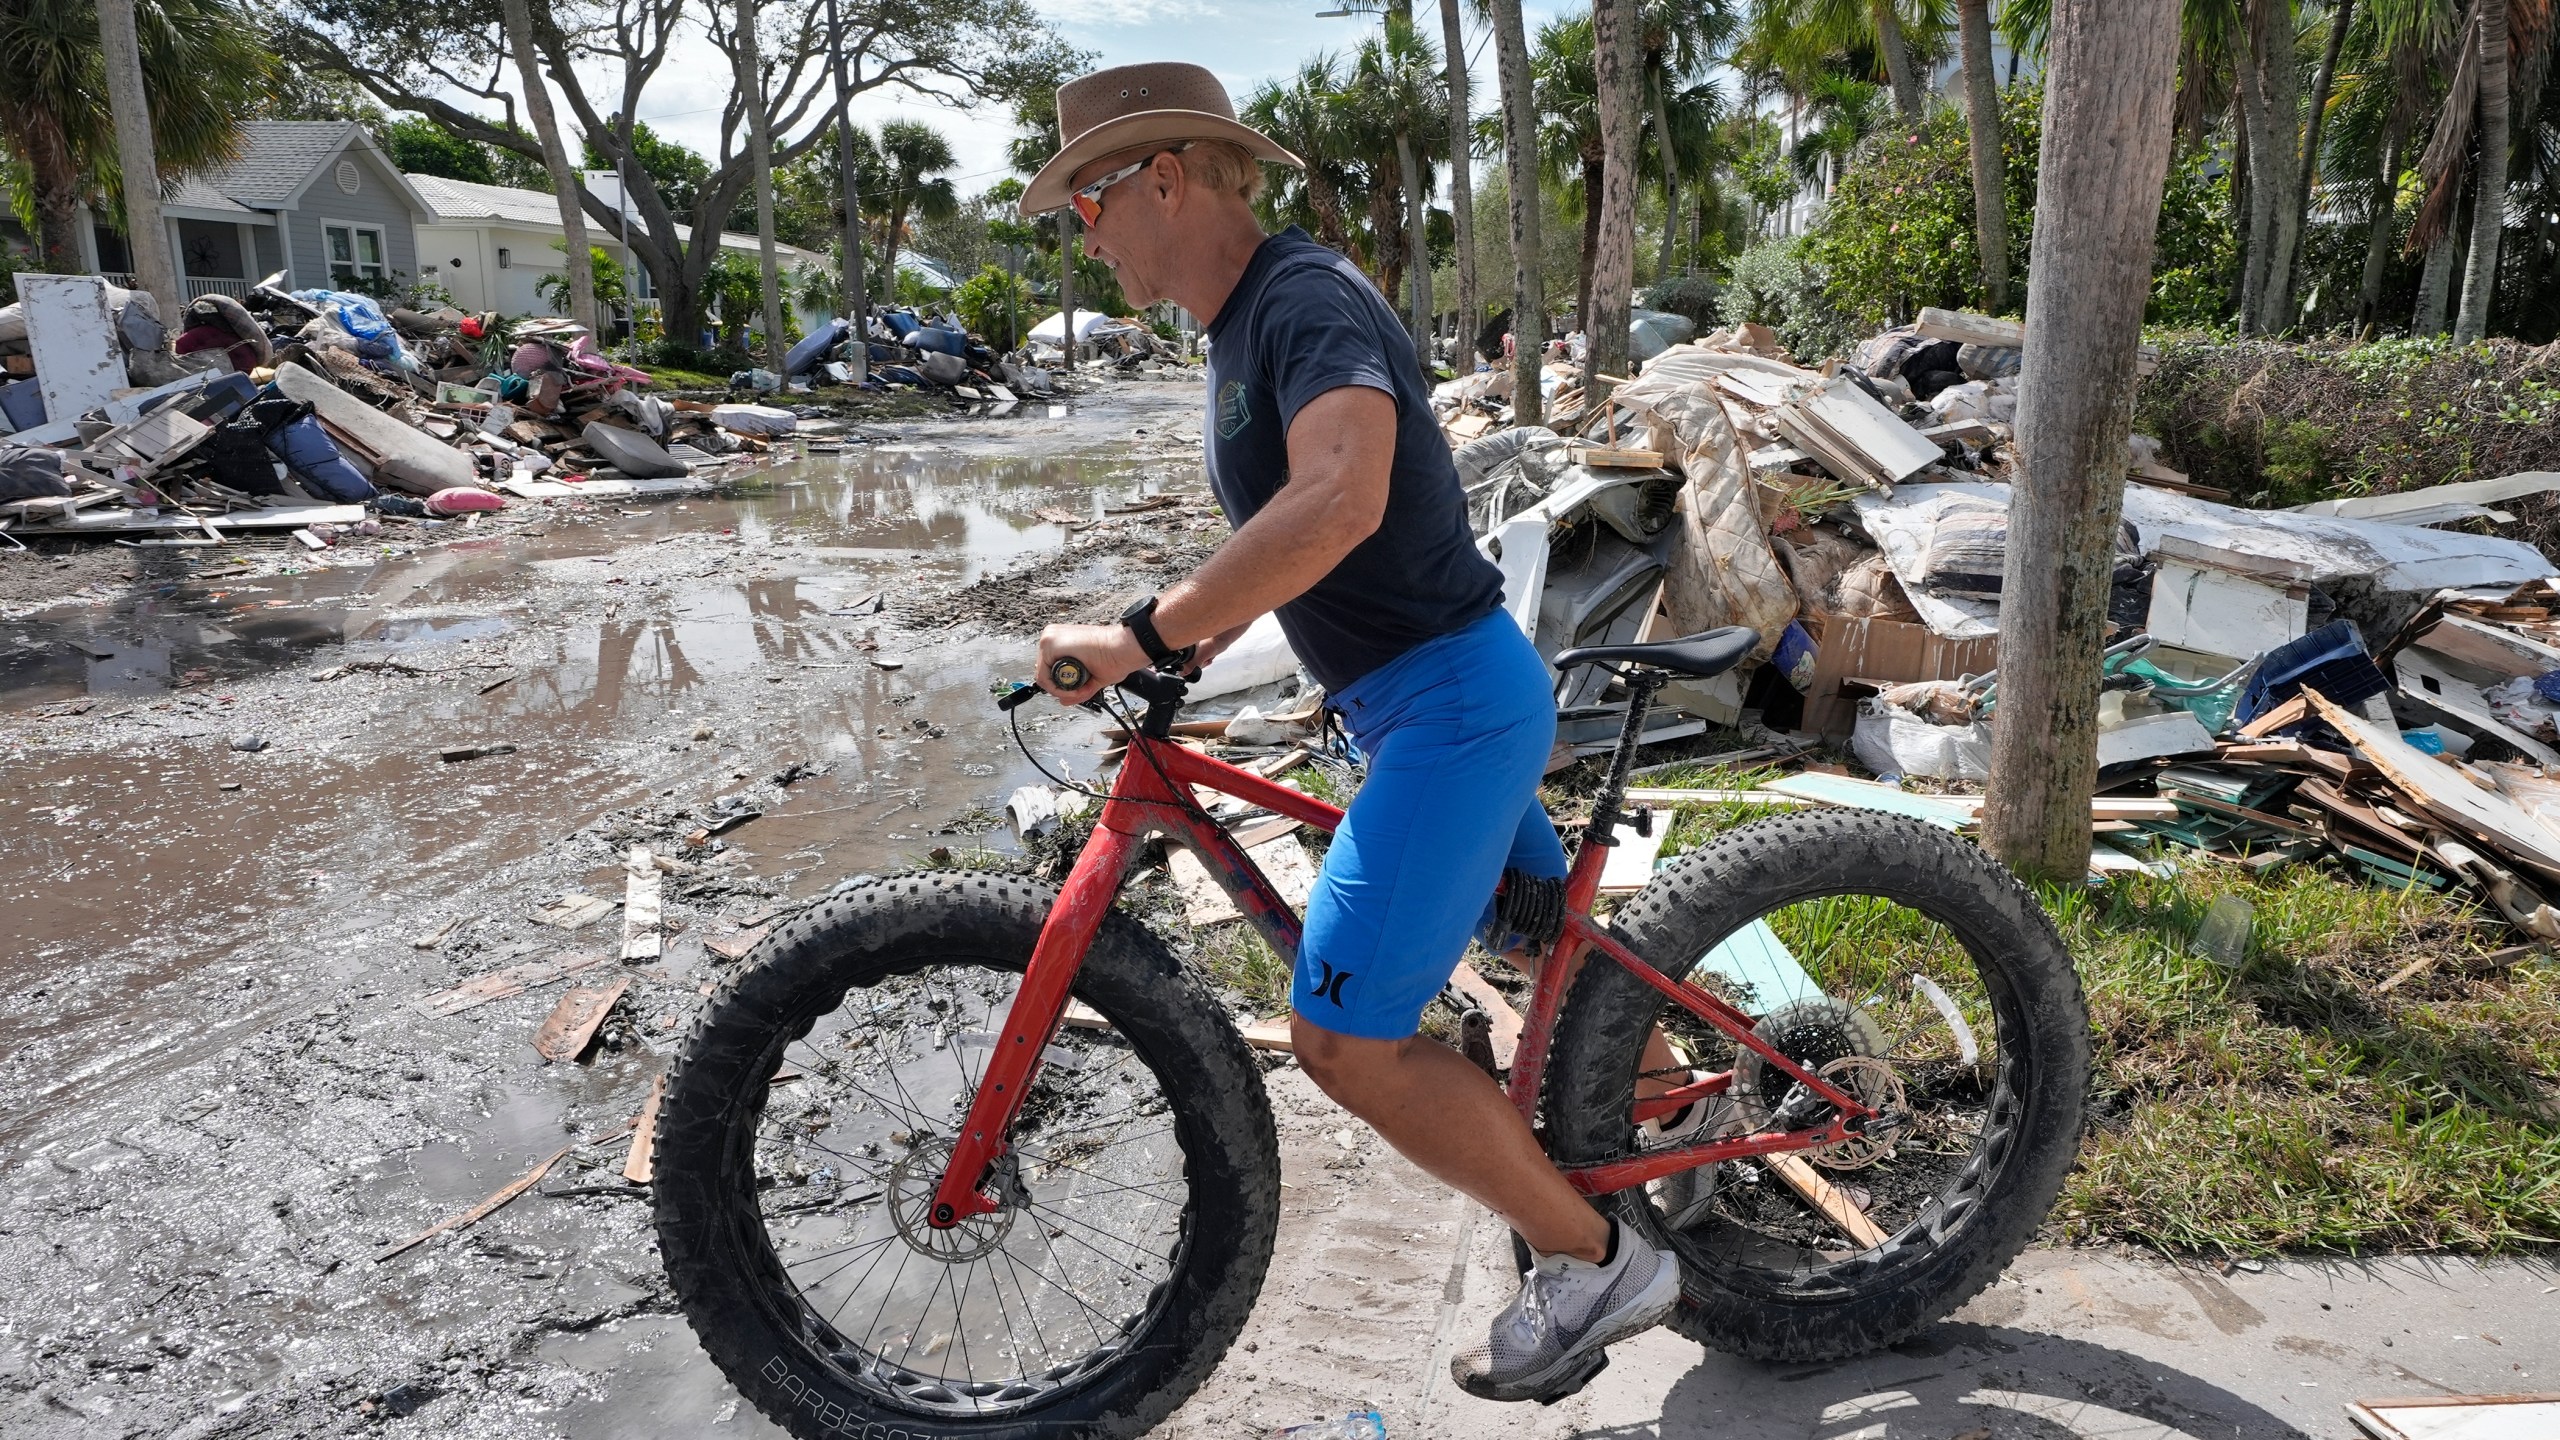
(316, 199)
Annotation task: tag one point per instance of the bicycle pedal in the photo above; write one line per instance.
(1572, 1384)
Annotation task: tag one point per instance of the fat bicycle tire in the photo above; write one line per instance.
(734, 1289)
(2032, 1123)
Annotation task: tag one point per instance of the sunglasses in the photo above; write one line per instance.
(1087, 202)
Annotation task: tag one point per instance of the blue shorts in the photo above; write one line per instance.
(1457, 732)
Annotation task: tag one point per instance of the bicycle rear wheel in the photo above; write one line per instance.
(806, 1124)
(1907, 968)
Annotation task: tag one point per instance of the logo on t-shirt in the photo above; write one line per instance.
(1232, 414)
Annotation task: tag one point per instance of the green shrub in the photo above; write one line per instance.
(1775, 284)
(992, 303)
(1694, 296)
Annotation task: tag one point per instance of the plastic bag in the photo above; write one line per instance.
(1890, 740)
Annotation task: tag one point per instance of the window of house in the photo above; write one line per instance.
(356, 252)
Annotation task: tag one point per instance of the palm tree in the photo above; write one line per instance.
(202, 66)
(913, 155)
(1982, 139)
(1618, 85)
(1520, 162)
(1680, 40)
(2489, 187)
(1302, 117)
(1395, 91)
(1799, 37)
(1569, 148)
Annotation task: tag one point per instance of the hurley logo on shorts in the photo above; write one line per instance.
(1232, 414)
(1330, 987)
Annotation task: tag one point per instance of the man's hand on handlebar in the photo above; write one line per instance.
(1109, 654)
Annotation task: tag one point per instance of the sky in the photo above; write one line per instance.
(1243, 42)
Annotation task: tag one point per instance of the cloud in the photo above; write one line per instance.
(1125, 12)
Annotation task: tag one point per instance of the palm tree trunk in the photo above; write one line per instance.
(2320, 87)
(2377, 245)
(1897, 60)
(2259, 230)
(2112, 67)
(857, 305)
(2435, 284)
(1670, 178)
(1593, 183)
(760, 168)
(2488, 178)
(1520, 166)
(1417, 251)
(1982, 129)
(1386, 224)
(145, 231)
(555, 159)
(1617, 76)
(1462, 184)
(889, 244)
(2271, 49)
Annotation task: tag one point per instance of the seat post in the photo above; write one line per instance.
(1642, 684)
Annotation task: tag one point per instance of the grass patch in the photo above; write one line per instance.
(2287, 1105)
(670, 377)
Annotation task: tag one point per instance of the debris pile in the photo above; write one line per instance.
(933, 353)
(317, 412)
(1856, 516)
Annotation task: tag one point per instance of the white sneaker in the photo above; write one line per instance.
(1548, 1342)
(1689, 1122)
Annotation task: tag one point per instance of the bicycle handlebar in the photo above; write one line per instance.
(1156, 687)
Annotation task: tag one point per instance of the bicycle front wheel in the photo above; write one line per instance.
(1909, 970)
(807, 1123)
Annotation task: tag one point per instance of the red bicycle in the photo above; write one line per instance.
(962, 1155)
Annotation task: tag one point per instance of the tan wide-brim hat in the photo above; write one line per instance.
(1130, 106)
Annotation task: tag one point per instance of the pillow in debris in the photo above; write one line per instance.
(1965, 548)
(1990, 362)
(1883, 353)
(28, 473)
(463, 500)
(1890, 740)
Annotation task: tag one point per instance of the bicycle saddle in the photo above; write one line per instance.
(1708, 653)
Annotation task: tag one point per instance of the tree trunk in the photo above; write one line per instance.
(1417, 252)
(2271, 47)
(2321, 83)
(1520, 167)
(2488, 179)
(2243, 295)
(1618, 77)
(2110, 73)
(679, 309)
(1462, 185)
(2435, 286)
(857, 305)
(145, 231)
(2377, 246)
(2258, 229)
(1067, 282)
(1670, 178)
(760, 171)
(1594, 184)
(56, 182)
(1897, 60)
(1982, 137)
(895, 225)
(555, 159)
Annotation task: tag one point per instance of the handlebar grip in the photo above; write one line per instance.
(1068, 673)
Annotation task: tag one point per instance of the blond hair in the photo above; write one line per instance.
(1223, 167)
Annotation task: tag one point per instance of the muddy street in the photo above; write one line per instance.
(236, 864)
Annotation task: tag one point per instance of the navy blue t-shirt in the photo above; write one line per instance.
(1302, 321)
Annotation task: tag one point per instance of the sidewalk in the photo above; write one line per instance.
(1376, 1263)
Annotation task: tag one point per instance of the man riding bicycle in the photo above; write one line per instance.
(1351, 525)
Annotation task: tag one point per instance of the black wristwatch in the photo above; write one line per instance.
(1141, 620)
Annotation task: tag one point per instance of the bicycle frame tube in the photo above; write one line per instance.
(1151, 793)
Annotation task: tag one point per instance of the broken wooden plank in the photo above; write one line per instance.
(1282, 860)
(1628, 867)
(640, 897)
(2446, 790)
(734, 948)
(436, 937)
(574, 911)
(505, 1196)
(641, 1162)
(452, 754)
(2291, 712)
(1826, 1198)
(503, 984)
(1675, 798)
(1967, 328)
(1610, 457)
(571, 1027)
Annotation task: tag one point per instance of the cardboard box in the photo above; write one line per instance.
(1893, 651)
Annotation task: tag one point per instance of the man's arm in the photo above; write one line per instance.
(1341, 451)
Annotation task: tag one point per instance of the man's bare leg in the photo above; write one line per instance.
(1447, 1116)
